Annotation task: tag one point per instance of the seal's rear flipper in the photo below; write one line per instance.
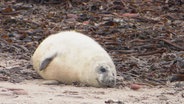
(46, 62)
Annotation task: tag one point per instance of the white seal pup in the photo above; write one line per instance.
(70, 57)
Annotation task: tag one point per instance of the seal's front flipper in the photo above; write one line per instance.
(46, 62)
(50, 82)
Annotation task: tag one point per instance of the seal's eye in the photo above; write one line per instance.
(103, 70)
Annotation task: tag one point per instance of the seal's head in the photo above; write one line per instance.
(106, 75)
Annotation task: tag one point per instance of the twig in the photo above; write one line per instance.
(172, 44)
(162, 50)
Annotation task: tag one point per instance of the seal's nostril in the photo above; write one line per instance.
(112, 74)
(112, 81)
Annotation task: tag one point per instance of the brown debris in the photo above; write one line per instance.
(113, 102)
(18, 91)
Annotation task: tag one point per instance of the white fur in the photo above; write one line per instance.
(77, 58)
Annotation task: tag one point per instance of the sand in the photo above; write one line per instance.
(34, 92)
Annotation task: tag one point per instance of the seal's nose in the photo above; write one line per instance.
(111, 82)
(107, 81)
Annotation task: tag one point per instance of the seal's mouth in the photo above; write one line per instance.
(110, 82)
